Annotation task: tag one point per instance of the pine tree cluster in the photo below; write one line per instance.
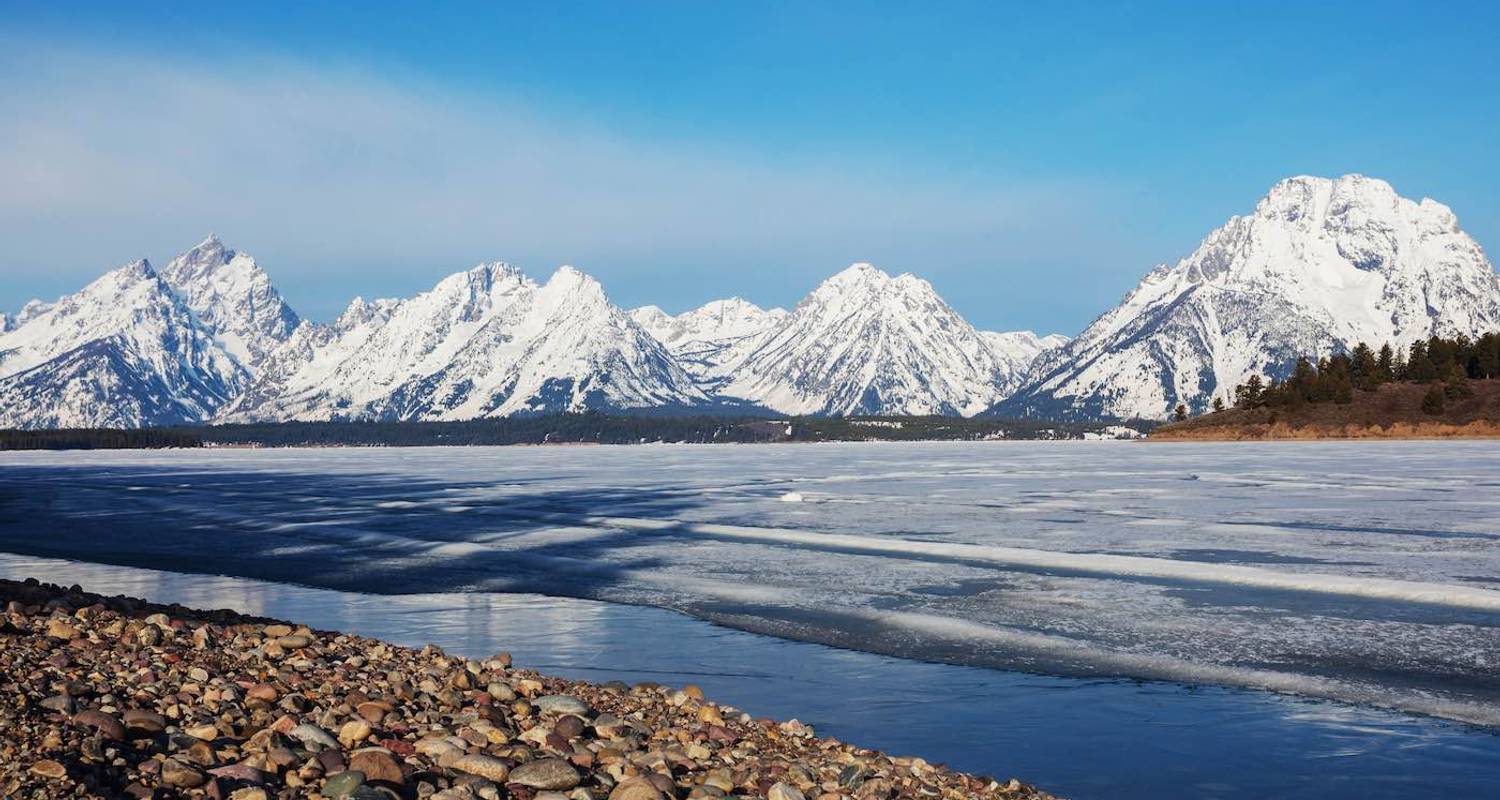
(1447, 363)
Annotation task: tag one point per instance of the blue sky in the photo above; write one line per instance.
(1031, 160)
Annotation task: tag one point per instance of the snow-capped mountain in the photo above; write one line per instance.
(123, 352)
(486, 342)
(707, 339)
(310, 349)
(864, 342)
(1020, 349)
(1320, 265)
(234, 298)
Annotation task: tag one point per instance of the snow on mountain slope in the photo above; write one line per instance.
(708, 338)
(233, 297)
(486, 342)
(7, 322)
(1020, 349)
(123, 352)
(864, 342)
(311, 350)
(1320, 265)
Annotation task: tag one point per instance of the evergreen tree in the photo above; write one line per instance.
(1364, 371)
(1218, 404)
(1385, 364)
(1304, 382)
(1419, 366)
(1181, 413)
(1250, 394)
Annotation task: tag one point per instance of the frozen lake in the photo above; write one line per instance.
(1364, 572)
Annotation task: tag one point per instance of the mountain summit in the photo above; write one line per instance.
(486, 342)
(864, 342)
(234, 297)
(125, 352)
(1320, 265)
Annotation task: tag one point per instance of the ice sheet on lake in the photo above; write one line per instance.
(1364, 571)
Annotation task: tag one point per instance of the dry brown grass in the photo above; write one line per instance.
(1393, 411)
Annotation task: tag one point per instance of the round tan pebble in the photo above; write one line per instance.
(181, 775)
(354, 731)
(636, 789)
(206, 733)
(377, 764)
(492, 769)
(785, 791)
(49, 769)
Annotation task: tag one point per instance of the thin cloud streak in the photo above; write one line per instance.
(345, 183)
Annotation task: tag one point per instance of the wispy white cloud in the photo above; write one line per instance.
(344, 182)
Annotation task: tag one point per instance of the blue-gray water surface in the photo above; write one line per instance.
(1078, 738)
(1158, 586)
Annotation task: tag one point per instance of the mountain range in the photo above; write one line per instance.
(1319, 265)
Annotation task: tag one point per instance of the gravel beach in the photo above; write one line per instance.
(118, 697)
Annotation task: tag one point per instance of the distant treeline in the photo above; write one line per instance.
(96, 439)
(603, 428)
(584, 428)
(1448, 364)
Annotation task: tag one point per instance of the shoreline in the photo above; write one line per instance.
(119, 696)
(1280, 432)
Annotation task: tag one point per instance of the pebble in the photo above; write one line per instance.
(49, 769)
(106, 725)
(205, 733)
(354, 732)
(377, 764)
(60, 703)
(484, 766)
(294, 642)
(546, 773)
(239, 772)
(343, 784)
(219, 706)
(139, 721)
(785, 791)
(639, 789)
(60, 629)
(181, 775)
(562, 704)
(313, 735)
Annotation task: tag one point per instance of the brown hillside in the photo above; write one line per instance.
(1391, 411)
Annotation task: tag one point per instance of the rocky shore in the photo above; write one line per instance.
(118, 697)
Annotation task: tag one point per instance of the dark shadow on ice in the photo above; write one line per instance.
(371, 533)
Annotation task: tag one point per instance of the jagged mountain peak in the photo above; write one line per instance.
(123, 351)
(361, 311)
(482, 276)
(861, 275)
(234, 297)
(570, 279)
(864, 342)
(1319, 265)
(488, 341)
(129, 272)
(708, 339)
